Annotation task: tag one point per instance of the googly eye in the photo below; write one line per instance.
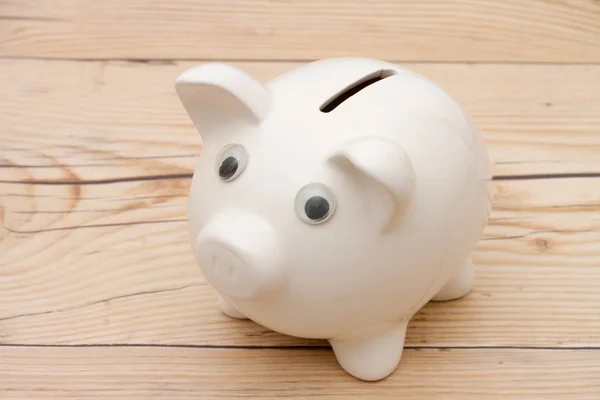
(314, 203)
(230, 162)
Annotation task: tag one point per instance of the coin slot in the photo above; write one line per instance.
(332, 103)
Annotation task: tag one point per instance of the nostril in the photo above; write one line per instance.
(218, 269)
(223, 268)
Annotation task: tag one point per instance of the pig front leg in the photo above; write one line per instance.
(371, 354)
(460, 285)
(229, 309)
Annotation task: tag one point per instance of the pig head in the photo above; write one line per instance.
(276, 175)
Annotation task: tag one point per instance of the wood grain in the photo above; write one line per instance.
(100, 297)
(111, 263)
(192, 373)
(66, 121)
(466, 30)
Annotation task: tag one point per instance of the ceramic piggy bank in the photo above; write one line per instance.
(334, 201)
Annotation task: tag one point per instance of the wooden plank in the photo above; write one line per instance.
(111, 263)
(193, 373)
(97, 121)
(466, 30)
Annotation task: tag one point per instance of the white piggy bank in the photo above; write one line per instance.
(334, 201)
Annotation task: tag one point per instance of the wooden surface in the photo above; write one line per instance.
(193, 373)
(100, 297)
(432, 30)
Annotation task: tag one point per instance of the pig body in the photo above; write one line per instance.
(334, 201)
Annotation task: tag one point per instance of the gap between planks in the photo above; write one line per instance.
(189, 176)
(174, 61)
(282, 347)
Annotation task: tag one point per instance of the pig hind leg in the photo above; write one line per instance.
(229, 309)
(372, 354)
(460, 285)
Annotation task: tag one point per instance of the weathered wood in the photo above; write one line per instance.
(96, 157)
(98, 121)
(193, 373)
(111, 263)
(469, 30)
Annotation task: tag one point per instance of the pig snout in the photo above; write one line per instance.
(240, 256)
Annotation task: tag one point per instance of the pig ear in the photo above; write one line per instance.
(217, 94)
(384, 163)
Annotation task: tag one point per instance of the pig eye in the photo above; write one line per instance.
(314, 203)
(231, 162)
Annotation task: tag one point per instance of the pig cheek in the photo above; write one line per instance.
(325, 252)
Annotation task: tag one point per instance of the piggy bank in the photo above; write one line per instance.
(334, 201)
